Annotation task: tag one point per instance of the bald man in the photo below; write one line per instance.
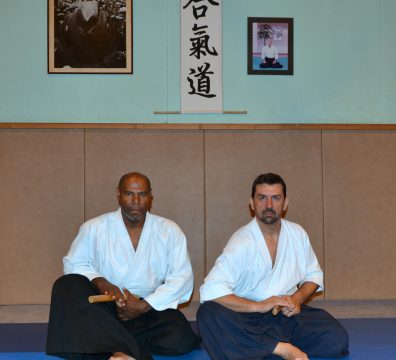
(140, 260)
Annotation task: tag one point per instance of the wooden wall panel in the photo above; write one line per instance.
(41, 192)
(234, 159)
(340, 184)
(173, 160)
(360, 208)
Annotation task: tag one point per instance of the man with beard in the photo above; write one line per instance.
(141, 261)
(268, 267)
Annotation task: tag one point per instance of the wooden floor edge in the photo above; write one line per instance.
(185, 126)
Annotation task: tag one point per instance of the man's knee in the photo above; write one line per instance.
(72, 287)
(69, 282)
(333, 343)
(339, 341)
(185, 338)
(175, 337)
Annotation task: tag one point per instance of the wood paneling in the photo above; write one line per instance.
(41, 192)
(360, 208)
(340, 183)
(234, 159)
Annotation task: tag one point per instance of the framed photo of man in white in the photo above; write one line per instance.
(90, 36)
(270, 46)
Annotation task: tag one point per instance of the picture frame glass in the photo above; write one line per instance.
(270, 46)
(90, 36)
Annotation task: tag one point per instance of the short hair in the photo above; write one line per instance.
(132, 174)
(269, 179)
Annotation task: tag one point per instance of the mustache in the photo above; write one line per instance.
(270, 210)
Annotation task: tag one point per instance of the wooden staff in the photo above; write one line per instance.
(105, 298)
(100, 298)
(276, 310)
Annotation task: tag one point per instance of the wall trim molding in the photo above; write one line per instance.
(162, 126)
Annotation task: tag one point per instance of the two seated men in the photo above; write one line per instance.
(141, 261)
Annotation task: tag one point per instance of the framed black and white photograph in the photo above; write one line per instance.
(90, 36)
(270, 46)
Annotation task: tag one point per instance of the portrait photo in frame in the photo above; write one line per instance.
(90, 37)
(270, 46)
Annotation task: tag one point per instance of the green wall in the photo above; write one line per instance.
(344, 56)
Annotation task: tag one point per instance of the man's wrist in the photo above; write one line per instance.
(298, 298)
(145, 306)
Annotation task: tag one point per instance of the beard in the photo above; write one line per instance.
(133, 215)
(269, 216)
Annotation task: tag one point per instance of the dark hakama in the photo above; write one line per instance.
(231, 335)
(80, 330)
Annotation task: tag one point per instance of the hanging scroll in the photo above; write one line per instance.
(201, 56)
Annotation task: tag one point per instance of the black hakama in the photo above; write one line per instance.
(80, 330)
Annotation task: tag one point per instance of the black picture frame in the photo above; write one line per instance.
(90, 37)
(260, 30)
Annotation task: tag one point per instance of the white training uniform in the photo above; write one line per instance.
(159, 270)
(245, 267)
(269, 52)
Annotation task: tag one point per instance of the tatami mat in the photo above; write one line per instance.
(370, 339)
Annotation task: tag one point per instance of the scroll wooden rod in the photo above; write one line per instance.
(230, 112)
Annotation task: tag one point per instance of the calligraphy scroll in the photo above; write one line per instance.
(201, 56)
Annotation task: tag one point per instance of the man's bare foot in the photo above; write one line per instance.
(289, 352)
(121, 356)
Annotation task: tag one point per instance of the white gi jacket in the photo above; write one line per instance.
(158, 271)
(270, 52)
(245, 267)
